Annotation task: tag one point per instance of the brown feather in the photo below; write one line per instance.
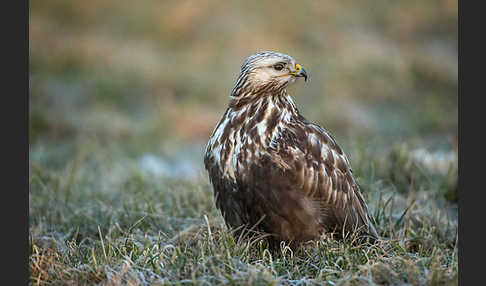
(272, 169)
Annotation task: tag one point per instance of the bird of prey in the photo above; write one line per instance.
(273, 170)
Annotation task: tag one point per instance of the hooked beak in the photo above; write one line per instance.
(300, 72)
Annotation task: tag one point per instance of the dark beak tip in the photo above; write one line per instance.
(303, 73)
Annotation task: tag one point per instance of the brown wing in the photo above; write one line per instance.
(322, 172)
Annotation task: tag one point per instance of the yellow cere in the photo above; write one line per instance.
(297, 69)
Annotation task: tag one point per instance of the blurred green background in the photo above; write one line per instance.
(153, 77)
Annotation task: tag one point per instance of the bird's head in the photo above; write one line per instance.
(267, 72)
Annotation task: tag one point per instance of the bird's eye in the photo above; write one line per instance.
(278, 67)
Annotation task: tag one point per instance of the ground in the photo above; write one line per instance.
(102, 216)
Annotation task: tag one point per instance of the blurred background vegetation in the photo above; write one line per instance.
(152, 78)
